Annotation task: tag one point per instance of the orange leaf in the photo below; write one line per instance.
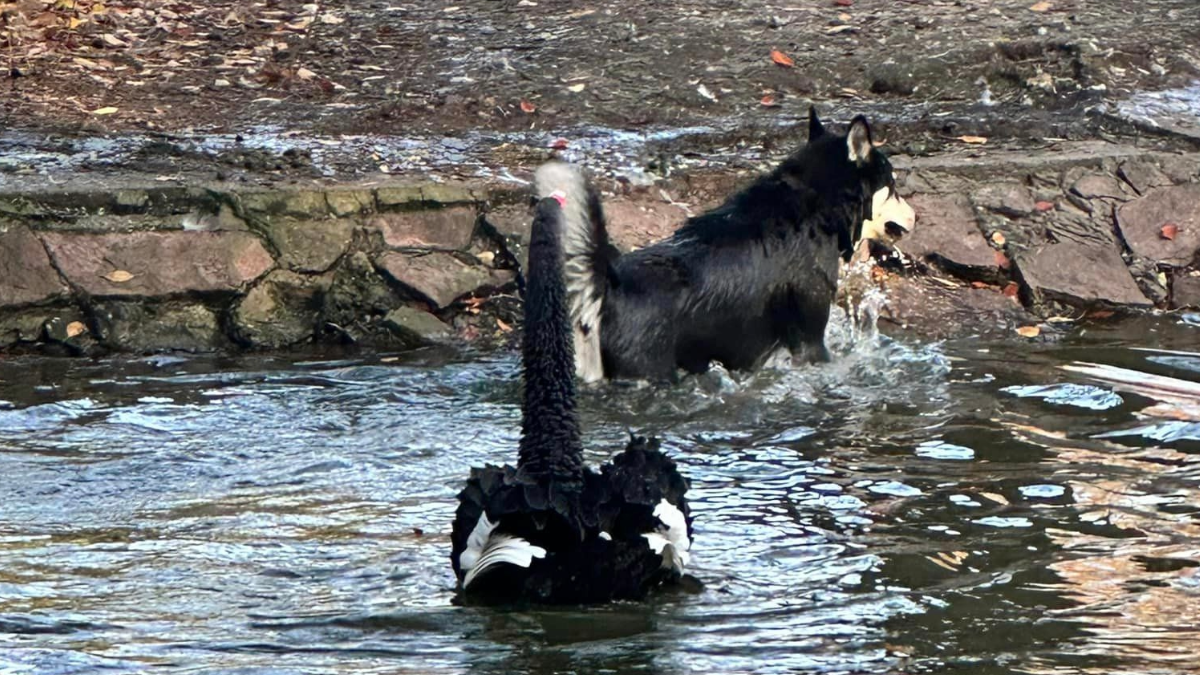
(1100, 314)
(1011, 290)
(1029, 331)
(978, 284)
(504, 328)
(527, 107)
(559, 144)
(998, 238)
(1042, 6)
(973, 140)
(782, 59)
(1001, 260)
(1044, 206)
(769, 101)
(1169, 231)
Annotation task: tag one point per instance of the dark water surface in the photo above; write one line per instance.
(956, 507)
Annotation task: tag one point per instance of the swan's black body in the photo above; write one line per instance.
(731, 285)
(556, 531)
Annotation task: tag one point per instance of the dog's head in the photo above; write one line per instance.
(848, 170)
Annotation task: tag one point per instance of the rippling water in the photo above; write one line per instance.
(953, 507)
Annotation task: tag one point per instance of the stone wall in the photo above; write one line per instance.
(1010, 239)
(155, 268)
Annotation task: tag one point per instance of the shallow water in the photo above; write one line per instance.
(907, 508)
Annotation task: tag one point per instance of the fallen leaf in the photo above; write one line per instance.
(113, 41)
(1044, 206)
(527, 107)
(844, 3)
(559, 144)
(1100, 314)
(107, 110)
(1029, 331)
(1011, 290)
(75, 23)
(973, 140)
(504, 328)
(998, 238)
(782, 59)
(118, 276)
(769, 101)
(1042, 6)
(76, 328)
(1169, 231)
(305, 74)
(979, 284)
(998, 498)
(703, 91)
(577, 87)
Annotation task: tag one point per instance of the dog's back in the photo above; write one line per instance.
(737, 282)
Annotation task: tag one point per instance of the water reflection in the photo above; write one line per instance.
(908, 508)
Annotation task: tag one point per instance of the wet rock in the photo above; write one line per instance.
(1008, 199)
(158, 263)
(511, 226)
(449, 228)
(28, 325)
(1100, 186)
(448, 193)
(398, 196)
(356, 299)
(947, 235)
(343, 203)
(1078, 274)
(1141, 222)
(223, 220)
(1143, 175)
(634, 224)
(892, 79)
(1185, 292)
(150, 327)
(310, 245)
(280, 311)
(440, 278)
(26, 275)
(919, 306)
(415, 325)
(297, 204)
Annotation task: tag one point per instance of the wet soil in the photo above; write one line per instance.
(1014, 71)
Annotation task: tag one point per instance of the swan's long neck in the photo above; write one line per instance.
(550, 441)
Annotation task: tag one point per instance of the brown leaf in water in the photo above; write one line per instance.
(998, 238)
(1100, 314)
(76, 328)
(996, 497)
(1011, 289)
(1169, 231)
(527, 107)
(504, 328)
(769, 101)
(1029, 331)
(1044, 206)
(782, 59)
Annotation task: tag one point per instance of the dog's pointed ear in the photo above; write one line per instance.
(815, 128)
(859, 140)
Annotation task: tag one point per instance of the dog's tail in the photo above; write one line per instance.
(587, 259)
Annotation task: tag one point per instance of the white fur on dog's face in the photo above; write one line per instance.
(888, 207)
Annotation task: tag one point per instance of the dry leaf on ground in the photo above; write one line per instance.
(118, 276)
(782, 59)
(1029, 331)
(973, 140)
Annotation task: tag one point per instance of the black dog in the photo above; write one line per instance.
(733, 284)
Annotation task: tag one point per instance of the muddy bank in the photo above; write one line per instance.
(1004, 240)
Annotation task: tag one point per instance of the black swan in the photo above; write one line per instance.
(552, 530)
